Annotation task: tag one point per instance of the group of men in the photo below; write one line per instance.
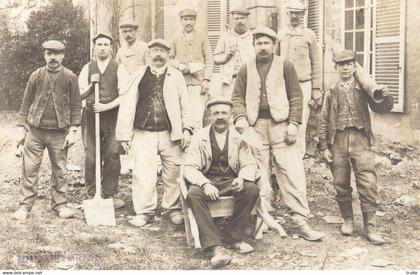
(151, 103)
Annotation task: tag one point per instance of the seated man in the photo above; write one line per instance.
(217, 159)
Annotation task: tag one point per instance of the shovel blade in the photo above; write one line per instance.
(99, 211)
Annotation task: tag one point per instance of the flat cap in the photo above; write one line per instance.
(187, 12)
(54, 45)
(344, 55)
(296, 5)
(264, 31)
(219, 100)
(240, 10)
(101, 34)
(129, 23)
(159, 42)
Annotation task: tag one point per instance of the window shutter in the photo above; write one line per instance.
(160, 16)
(314, 18)
(389, 50)
(217, 16)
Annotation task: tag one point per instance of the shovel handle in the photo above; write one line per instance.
(97, 146)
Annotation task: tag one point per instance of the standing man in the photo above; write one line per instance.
(49, 117)
(218, 159)
(300, 46)
(154, 118)
(267, 101)
(108, 73)
(133, 53)
(192, 55)
(345, 134)
(233, 49)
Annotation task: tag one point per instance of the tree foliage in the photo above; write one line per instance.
(21, 54)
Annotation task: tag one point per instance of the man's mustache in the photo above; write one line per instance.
(221, 121)
(158, 58)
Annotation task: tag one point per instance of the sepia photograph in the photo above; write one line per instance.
(180, 135)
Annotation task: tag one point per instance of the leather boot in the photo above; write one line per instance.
(347, 226)
(309, 234)
(221, 257)
(369, 221)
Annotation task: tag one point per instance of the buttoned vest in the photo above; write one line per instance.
(108, 83)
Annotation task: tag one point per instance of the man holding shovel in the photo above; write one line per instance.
(154, 119)
(49, 117)
(108, 73)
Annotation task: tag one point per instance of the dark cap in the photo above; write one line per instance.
(219, 100)
(159, 42)
(264, 31)
(99, 35)
(344, 55)
(240, 10)
(129, 24)
(187, 12)
(54, 45)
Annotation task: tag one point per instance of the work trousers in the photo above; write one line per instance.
(197, 105)
(110, 151)
(147, 146)
(306, 111)
(288, 168)
(351, 147)
(36, 140)
(210, 235)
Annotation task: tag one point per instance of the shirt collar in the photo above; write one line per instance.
(103, 64)
(296, 30)
(158, 71)
(346, 84)
(242, 35)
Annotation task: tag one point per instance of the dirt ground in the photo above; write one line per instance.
(47, 242)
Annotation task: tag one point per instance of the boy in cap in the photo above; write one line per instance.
(49, 118)
(154, 120)
(111, 77)
(133, 53)
(345, 134)
(191, 54)
(234, 48)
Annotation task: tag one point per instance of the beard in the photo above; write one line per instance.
(240, 28)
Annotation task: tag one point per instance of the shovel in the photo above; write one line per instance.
(98, 211)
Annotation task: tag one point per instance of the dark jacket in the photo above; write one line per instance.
(327, 125)
(66, 98)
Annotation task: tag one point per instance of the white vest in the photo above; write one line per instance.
(275, 89)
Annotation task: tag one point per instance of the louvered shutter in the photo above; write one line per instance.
(314, 18)
(160, 10)
(214, 25)
(217, 18)
(389, 48)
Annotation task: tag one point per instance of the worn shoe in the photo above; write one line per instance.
(176, 217)
(243, 247)
(221, 257)
(141, 220)
(369, 221)
(309, 234)
(21, 214)
(347, 227)
(65, 213)
(118, 203)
